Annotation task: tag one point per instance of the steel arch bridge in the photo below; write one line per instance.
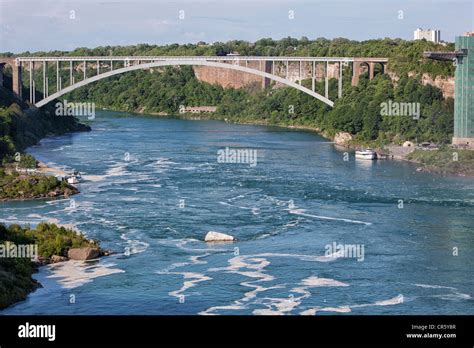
(266, 67)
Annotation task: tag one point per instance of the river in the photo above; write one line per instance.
(153, 187)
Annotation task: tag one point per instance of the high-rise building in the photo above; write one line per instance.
(464, 92)
(428, 35)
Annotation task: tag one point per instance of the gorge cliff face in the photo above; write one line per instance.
(445, 84)
(234, 78)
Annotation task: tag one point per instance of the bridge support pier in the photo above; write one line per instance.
(16, 80)
(17, 86)
(355, 73)
(268, 68)
(371, 70)
(357, 70)
(2, 65)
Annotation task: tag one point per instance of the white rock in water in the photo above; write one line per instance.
(212, 236)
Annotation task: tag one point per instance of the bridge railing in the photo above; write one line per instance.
(200, 58)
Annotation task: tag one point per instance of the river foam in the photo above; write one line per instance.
(72, 274)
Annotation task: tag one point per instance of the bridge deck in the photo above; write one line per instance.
(202, 58)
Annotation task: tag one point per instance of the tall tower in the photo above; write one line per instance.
(464, 92)
(463, 88)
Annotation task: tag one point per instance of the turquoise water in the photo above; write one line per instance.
(300, 197)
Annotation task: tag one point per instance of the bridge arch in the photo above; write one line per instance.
(184, 62)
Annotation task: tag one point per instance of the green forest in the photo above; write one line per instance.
(21, 126)
(405, 55)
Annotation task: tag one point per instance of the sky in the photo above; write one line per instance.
(46, 25)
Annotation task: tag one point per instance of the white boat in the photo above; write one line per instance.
(367, 154)
(72, 180)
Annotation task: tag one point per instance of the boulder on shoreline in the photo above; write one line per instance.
(342, 138)
(213, 236)
(82, 254)
(57, 258)
(106, 252)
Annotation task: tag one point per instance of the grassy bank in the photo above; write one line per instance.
(445, 161)
(16, 186)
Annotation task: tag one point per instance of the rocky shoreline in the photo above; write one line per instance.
(49, 195)
(17, 290)
(439, 161)
(59, 189)
(16, 273)
(55, 259)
